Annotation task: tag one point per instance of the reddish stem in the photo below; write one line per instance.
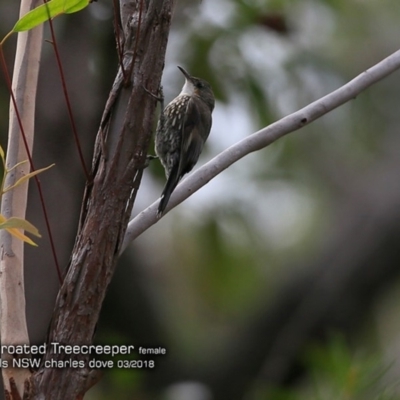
(39, 186)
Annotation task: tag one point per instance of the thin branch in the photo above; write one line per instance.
(28, 149)
(74, 128)
(262, 139)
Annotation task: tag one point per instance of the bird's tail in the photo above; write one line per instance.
(170, 186)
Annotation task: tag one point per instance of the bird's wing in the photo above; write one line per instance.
(195, 129)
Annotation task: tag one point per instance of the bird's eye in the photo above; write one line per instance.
(199, 85)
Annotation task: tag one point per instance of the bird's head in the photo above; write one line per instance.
(198, 87)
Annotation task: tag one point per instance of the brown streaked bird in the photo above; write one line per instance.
(182, 130)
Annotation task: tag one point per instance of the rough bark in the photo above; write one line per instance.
(118, 162)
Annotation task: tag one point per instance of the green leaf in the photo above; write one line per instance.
(77, 6)
(48, 10)
(15, 232)
(26, 177)
(2, 154)
(13, 225)
(17, 165)
(19, 223)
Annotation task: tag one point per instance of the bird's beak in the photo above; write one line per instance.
(184, 72)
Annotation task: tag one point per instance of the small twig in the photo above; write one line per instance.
(53, 42)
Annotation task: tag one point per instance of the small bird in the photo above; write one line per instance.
(182, 130)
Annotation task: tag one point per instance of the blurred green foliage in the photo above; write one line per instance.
(339, 373)
(270, 213)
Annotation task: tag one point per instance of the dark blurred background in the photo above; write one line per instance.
(279, 279)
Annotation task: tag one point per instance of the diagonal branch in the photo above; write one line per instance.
(262, 139)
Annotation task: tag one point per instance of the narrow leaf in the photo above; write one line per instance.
(15, 232)
(79, 5)
(2, 154)
(19, 223)
(17, 165)
(26, 177)
(48, 10)
(9, 226)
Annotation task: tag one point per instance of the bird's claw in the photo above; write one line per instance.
(159, 96)
(149, 158)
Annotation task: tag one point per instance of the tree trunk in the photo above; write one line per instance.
(118, 162)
